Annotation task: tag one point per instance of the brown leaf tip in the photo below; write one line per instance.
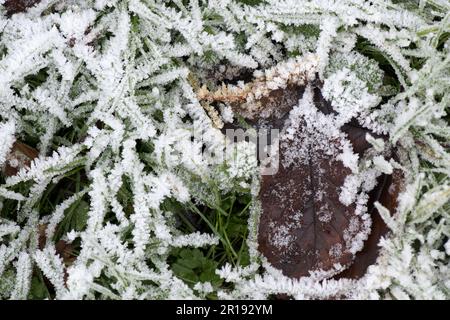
(19, 157)
(16, 6)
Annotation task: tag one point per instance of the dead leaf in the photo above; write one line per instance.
(64, 249)
(19, 157)
(303, 226)
(16, 6)
(387, 192)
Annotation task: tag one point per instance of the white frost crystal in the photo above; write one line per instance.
(108, 92)
(7, 139)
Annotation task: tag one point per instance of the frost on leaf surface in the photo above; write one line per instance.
(304, 227)
(16, 6)
(314, 216)
(117, 180)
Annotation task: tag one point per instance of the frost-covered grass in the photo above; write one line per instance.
(126, 201)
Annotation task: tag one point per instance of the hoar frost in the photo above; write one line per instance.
(104, 88)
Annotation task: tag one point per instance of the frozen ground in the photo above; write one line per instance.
(119, 179)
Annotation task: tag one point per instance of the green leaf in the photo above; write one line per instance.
(81, 215)
(251, 2)
(38, 290)
(192, 266)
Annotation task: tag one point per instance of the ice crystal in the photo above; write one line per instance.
(129, 96)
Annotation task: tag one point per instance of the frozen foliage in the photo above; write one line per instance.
(119, 76)
(7, 131)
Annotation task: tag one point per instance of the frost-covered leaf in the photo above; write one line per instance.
(304, 227)
(20, 156)
(16, 6)
(126, 100)
(386, 193)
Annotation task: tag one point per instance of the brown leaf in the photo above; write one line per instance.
(276, 105)
(387, 192)
(42, 239)
(64, 249)
(304, 227)
(16, 6)
(20, 157)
